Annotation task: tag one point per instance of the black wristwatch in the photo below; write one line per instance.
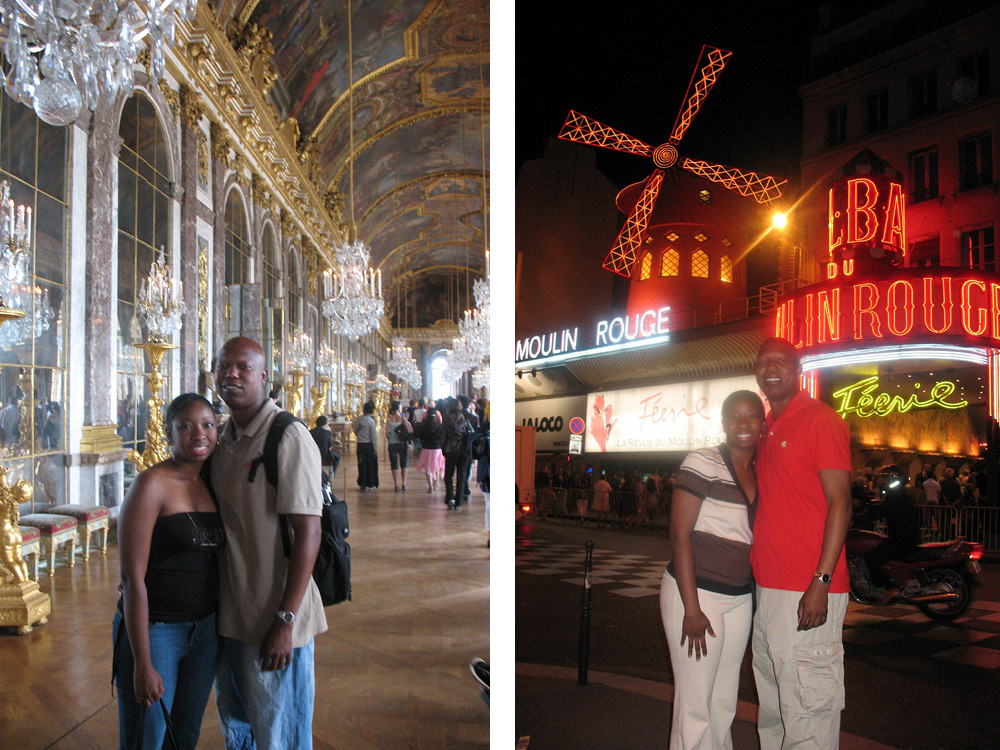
(823, 577)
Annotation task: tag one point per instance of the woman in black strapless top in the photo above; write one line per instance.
(169, 533)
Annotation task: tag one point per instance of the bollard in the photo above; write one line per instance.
(584, 654)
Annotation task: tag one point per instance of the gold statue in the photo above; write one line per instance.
(318, 404)
(156, 440)
(21, 602)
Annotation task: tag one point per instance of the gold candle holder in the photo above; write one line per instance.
(156, 442)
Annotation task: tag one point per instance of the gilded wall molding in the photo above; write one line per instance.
(203, 363)
(192, 109)
(172, 98)
(230, 82)
(220, 145)
(202, 159)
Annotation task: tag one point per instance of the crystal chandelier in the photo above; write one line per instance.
(402, 363)
(21, 330)
(300, 350)
(481, 376)
(16, 246)
(160, 303)
(354, 374)
(352, 298)
(64, 54)
(326, 362)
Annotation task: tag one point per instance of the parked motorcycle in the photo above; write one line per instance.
(938, 578)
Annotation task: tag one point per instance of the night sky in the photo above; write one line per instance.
(631, 71)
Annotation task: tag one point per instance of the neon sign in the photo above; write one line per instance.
(862, 215)
(961, 306)
(639, 326)
(546, 345)
(860, 398)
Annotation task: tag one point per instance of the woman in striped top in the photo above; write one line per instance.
(707, 586)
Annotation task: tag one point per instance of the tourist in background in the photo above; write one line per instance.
(397, 444)
(365, 432)
(431, 459)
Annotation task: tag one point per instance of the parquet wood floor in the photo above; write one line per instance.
(391, 672)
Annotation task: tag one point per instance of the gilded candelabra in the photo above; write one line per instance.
(22, 604)
(326, 370)
(299, 356)
(383, 387)
(160, 303)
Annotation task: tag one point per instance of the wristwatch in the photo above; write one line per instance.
(823, 577)
(284, 616)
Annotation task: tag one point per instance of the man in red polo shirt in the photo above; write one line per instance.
(804, 486)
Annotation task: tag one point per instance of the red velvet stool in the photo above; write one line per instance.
(89, 518)
(55, 531)
(31, 545)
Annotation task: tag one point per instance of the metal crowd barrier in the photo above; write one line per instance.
(938, 523)
(626, 509)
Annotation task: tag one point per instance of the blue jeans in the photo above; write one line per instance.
(268, 710)
(184, 654)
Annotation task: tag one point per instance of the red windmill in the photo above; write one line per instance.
(583, 129)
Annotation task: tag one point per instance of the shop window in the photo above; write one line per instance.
(978, 250)
(923, 94)
(876, 110)
(923, 175)
(699, 264)
(973, 77)
(646, 267)
(669, 262)
(144, 200)
(705, 197)
(975, 161)
(836, 125)
(726, 270)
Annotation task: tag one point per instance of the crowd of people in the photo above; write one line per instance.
(629, 495)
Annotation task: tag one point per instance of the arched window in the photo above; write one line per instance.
(33, 159)
(239, 263)
(440, 387)
(726, 269)
(699, 264)
(144, 178)
(647, 267)
(271, 307)
(670, 263)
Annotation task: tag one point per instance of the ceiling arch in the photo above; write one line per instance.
(419, 104)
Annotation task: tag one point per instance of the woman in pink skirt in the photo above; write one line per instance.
(431, 459)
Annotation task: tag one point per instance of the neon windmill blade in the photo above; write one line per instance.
(582, 129)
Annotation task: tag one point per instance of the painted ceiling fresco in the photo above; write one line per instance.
(420, 106)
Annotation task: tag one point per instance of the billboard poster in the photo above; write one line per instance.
(675, 417)
(552, 419)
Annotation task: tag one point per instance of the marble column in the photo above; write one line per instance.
(98, 466)
(190, 115)
(220, 172)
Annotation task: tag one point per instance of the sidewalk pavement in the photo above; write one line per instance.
(614, 711)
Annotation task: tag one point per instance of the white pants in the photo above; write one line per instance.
(705, 692)
(799, 674)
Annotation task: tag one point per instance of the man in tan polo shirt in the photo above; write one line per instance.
(269, 607)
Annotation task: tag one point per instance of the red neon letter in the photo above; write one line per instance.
(895, 305)
(810, 319)
(831, 270)
(854, 209)
(849, 267)
(894, 232)
(835, 241)
(967, 308)
(829, 316)
(945, 304)
(865, 300)
(995, 308)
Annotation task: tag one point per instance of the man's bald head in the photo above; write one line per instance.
(240, 376)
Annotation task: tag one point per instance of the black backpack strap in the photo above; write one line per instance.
(269, 459)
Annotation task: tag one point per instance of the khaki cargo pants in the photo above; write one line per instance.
(799, 674)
